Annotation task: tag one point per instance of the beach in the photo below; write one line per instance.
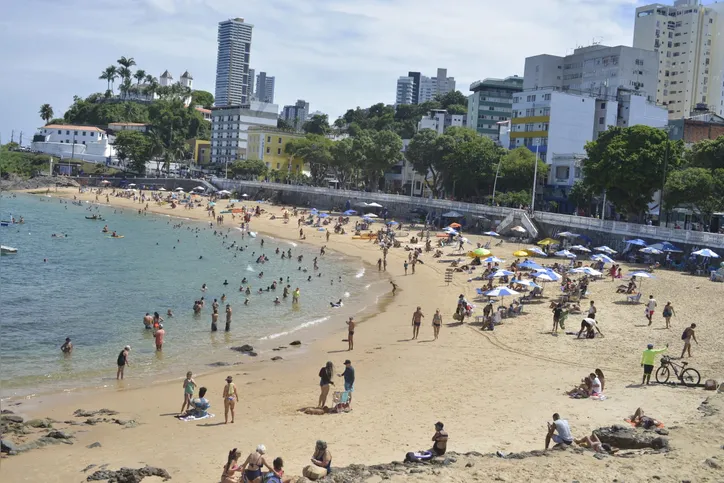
(494, 391)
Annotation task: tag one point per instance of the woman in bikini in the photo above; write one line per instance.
(436, 323)
(325, 379)
(231, 467)
(322, 457)
(253, 465)
(230, 399)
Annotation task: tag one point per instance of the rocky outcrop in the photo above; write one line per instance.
(626, 437)
(129, 475)
(40, 182)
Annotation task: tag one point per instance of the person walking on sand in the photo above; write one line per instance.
(417, 317)
(228, 318)
(650, 308)
(350, 334)
(405, 265)
(668, 312)
(123, 361)
(158, 335)
(436, 323)
(231, 397)
(647, 361)
(557, 312)
(686, 337)
(325, 379)
(189, 385)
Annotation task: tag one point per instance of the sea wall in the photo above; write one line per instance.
(168, 184)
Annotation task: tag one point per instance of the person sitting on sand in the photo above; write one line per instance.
(561, 427)
(596, 386)
(278, 474)
(322, 457)
(253, 465)
(439, 439)
(199, 406)
(595, 444)
(231, 467)
(583, 390)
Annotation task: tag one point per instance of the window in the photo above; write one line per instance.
(279, 165)
(83, 142)
(601, 120)
(59, 132)
(279, 150)
(546, 111)
(603, 105)
(268, 150)
(268, 139)
(280, 141)
(546, 97)
(491, 108)
(529, 112)
(83, 133)
(67, 133)
(531, 98)
(545, 126)
(639, 62)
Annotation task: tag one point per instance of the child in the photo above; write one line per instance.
(189, 386)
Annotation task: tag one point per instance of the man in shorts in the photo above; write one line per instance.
(350, 334)
(348, 375)
(417, 317)
(686, 337)
(563, 430)
(647, 361)
(650, 308)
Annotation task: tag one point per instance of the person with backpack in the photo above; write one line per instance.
(686, 337)
(123, 361)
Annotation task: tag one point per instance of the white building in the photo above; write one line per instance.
(128, 126)
(689, 38)
(439, 120)
(232, 63)
(297, 114)
(166, 79)
(405, 91)
(204, 112)
(186, 80)
(403, 178)
(229, 126)
(418, 88)
(87, 143)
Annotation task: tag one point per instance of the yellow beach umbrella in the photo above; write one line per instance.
(520, 253)
(479, 252)
(547, 241)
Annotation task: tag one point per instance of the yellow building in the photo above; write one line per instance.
(268, 144)
(201, 150)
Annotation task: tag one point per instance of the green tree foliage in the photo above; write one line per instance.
(22, 163)
(284, 124)
(133, 147)
(628, 164)
(517, 169)
(513, 198)
(202, 98)
(46, 112)
(454, 98)
(580, 195)
(469, 162)
(426, 153)
(382, 152)
(698, 188)
(347, 155)
(708, 153)
(317, 124)
(249, 169)
(315, 151)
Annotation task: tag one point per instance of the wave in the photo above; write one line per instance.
(292, 243)
(299, 327)
(360, 273)
(346, 294)
(249, 269)
(367, 287)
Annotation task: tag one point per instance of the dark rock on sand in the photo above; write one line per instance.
(296, 342)
(623, 437)
(711, 463)
(59, 435)
(94, 445)
(88, 468)
(219, 364)
(82, 413)
(6, 411)
(7, 446)
(246, 348)
(12, 418)
(39, 423)
(276, 358)
(129, 475)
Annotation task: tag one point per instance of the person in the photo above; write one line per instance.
(561, 427)
(405, 265)
(253, 465)
(417, 317)
(557, 311)
(439, 446)
(157, 319)
(278, 464)
(325, 379)
(601, 378)
(231, 467)
(592, 311)
(322, 457)
(595, 444)
(67, 347)
(668, 312)
(199, 406)
(436, 323)
(148, 321)
(123, 361)
(394, 287)
(231, 397)
(647, 361)
(228, 318)
(214, 319)
(596, 385)
(169, 313)
(350, 334)
(643, 421)
(591, 327)
(686, 337)
(189, 385)
(295, 296)
(650, 307)
(348, 375)
(158, 335)
(379, 264)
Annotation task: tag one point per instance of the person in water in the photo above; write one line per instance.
(67, 347)
(123, 361)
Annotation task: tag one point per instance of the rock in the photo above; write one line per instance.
(6, 411)
(296, 342)
(131, 423)
(129, 475)
(87, 468)
(252, 354)
(246, 348)
(712, 464)
(629, 438)
(59, 435)
(661, 431)
(599, 456)
(82, 413)
(277, 358)
(94, 445)
(7, 446)
(707, 409)
(469, 464)
(219, 364)
(39, 423)
(12, 418)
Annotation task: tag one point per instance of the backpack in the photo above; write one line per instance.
(683, 336)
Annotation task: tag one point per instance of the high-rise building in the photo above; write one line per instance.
(689, 38)
(405, 91)
(264, 91)
(297, 114)
(490, 103)
(232, 64)
(416, 89)
(252, 84)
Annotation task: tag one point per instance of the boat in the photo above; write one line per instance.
(96, 218)
(118, 236)
(7, 250)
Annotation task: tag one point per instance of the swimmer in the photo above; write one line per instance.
(223, 298)
(226, 282)
(246, 302)
(309, 279)
(203, 288)
(336, 304)
(277, 301)
(169, 313)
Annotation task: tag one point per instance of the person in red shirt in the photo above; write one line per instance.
(159, 337)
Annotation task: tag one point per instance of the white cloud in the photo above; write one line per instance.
(336, 54)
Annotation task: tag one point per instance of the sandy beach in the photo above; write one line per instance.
(493, 390)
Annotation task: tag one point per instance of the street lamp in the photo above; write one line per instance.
(667, 130)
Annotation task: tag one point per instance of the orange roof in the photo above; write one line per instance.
(201, 109)
(73, 127)
(126, 124)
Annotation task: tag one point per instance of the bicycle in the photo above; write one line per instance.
(688, 376)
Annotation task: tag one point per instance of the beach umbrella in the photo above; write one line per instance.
(179, 189)
(244, 195)
(537, 251)
(526, 283)
(547, 241)
(450, 231)
(602, 258)
(391, 223)
(636, 241)
(605, 249)
(705, 252)
(568, 234)
(105, 181)
(199, 188)
(565, 253)
(592, 272)
(491, 233)
(501, 292)
(131, 184)
(545, 277)
(529, 264)
(374, 205)
(641, 275)
(579, 248)
(667, 247)
(576, 270)
(162, 189)
(520, 253)
(478, 253)
(367, 219)
(519, 229)
(451, 214)
(651, 251)
(501, 273)
(323, 215)
(492, 260)
(349, 212)
(371, 215)
(212, 203)
(585, 238)
(455, 225)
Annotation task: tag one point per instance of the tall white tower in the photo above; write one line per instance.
(166, 79)
(232, 63)
(186, 80)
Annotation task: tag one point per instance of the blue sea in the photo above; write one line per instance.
(96, 290)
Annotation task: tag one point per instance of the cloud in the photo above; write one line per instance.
(336, 54)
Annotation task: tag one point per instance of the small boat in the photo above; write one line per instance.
(7, 250)
(94, 217)
(118, 236)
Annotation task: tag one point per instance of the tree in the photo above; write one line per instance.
(249, 169)
(346, 157)
(110, 74)
(580, 195)
(204, 99)
(318, 124)
(517, 168)
(628, 165)
(469, 162)
(699, 188)
(426, 154)
(452, 98)
(134, 146)
(46, 112)
(381, 152)
(284, 124)
(126, 63)
(708, 153)
(315, 151)
(139, 76)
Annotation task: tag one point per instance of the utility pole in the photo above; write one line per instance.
(12, 136)
(663, 183)
(495, 181)
(21, 138)
(535, 179)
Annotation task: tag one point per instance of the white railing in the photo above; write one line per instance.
(653, 233)
(529, 225)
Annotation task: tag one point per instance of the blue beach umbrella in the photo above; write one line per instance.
(636, 241)
(501, 273)
(492, 259)
(530, 264)
(323, 215)
(392, 222)
(350, 212)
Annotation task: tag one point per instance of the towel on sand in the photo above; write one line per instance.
(194, 418)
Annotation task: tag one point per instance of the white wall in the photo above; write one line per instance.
(571, 123)
(638, 111)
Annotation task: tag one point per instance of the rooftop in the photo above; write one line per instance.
(73, 127)
(127, 124)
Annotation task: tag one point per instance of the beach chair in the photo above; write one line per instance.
(487, 245)
(634, 299)
(341, 401)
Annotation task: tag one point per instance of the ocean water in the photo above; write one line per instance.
(96, 291)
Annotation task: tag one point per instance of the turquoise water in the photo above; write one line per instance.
(96, 290)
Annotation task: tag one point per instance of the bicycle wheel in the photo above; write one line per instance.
(662, 374)
(690, 377)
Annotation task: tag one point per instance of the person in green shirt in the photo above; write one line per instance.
(647, 361)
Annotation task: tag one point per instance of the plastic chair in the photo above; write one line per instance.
(634, 298)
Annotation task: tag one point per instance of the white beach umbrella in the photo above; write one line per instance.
(565, 253)
(605, 249)
(705, 253)
(371, 215)
(602, 258)
(579, 248)
(641, 275)
(651, 251)
(492, 259)
(501, 273)
(179, 189)
(525, 283)
(519, 229)
(374, 205)
(501, 292)
(162, 189)
(568, 234)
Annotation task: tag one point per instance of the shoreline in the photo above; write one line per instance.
(493, 390)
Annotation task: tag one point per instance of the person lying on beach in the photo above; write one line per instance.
(595, 444)
(642, 421)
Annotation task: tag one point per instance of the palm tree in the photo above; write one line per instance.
(125, 87)
(127, 63)
(149, 78)
(151, 87)
(139, 76)
(109, 75)
(46, 112)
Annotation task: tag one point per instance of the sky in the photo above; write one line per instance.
(335, 54)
